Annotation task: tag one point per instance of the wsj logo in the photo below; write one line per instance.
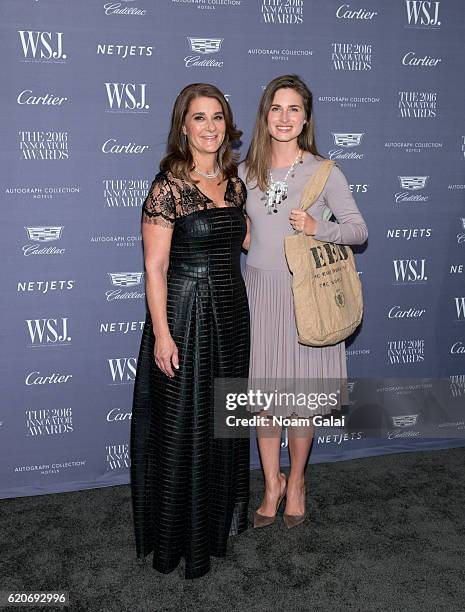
(461, 236)
(346, 141)
(204, 46)
(123, 370)
(411, 183)
(409, 271)
(422, 14)
(42, 234)
(460, 307)
(42, 46)
(48, 332)
(126, 97)
(123, 280)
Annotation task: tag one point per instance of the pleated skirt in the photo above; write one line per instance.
(276, 355)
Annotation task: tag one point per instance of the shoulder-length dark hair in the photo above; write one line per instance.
(178, 159)
(258, 159)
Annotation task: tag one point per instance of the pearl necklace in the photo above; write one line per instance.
(208, 175)
(277, 190)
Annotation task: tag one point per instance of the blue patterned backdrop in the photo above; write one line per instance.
(87, 92)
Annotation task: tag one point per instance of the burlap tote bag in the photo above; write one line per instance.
(328, 302)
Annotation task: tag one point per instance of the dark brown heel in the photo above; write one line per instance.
(292, 520)
(260, 520)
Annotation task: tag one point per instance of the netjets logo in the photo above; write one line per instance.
(126, 98)
(42, 234)
(422, 14)
(48, 332)
(42, 46)
(123, 280)
(346, 141)
(412, 183)
(408, 420)
(204, 46)
(122, 370)
(461, 236)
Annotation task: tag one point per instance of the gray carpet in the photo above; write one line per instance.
(384, 533)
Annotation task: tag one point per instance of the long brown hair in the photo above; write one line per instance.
(178, 158)
(258, 159)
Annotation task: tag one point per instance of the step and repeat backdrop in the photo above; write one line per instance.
(87, 92)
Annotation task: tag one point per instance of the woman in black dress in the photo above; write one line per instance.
(190, 489)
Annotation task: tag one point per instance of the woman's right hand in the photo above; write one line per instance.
(166, 355)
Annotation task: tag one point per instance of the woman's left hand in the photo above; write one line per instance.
(302, 222)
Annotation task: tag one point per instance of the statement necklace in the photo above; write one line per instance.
(277, 190)
(208, 175)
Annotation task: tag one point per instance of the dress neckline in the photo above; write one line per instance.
(307, 156)
(228, 184)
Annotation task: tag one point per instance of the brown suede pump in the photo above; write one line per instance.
(260, 520)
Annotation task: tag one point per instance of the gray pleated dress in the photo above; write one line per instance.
(275, 351)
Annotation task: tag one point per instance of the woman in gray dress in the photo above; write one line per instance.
(281, 158)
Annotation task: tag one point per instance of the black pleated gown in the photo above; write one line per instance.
(190, 489)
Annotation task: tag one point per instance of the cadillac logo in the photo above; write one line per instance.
(205, 45)
(44, 233)
(125, 279)
(347, 140)
(407, 420)
(412, 183)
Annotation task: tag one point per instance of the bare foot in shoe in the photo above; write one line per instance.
(273, 492)
(295, 497)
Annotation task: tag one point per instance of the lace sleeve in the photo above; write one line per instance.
(240, 194)
(159, 206)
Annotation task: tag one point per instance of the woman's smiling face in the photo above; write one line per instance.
(204, 125)
(286, 117)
